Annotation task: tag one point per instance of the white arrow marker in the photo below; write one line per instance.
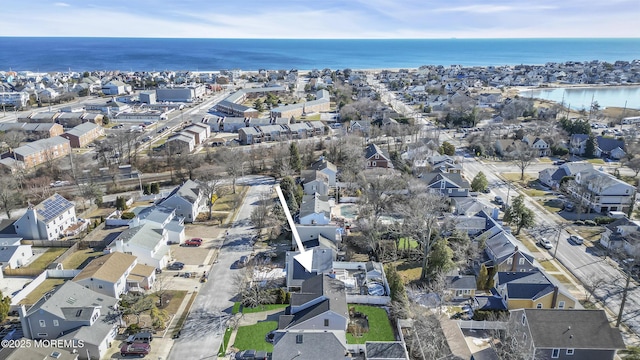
(305, 258)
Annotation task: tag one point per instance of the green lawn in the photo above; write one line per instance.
(46, 286)
(534, 192)
(225, 342)
(253, 336)
(379, 326)
(407, 243)
(236, 308)
(596, 161)
(79, 257)
(47, 258)
(262, 308)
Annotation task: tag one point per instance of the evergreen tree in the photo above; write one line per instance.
(155, 188)
(440, 258)
(479, 182)
(5, 305)
(483, 278)
(590, 147)
(294, 159)
(519, 214)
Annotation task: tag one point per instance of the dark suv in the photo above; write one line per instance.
(139, 349)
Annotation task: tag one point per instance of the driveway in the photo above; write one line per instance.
(203, 330)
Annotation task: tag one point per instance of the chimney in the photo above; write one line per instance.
(554, 300)
(516, 257)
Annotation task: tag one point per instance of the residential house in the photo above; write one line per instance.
(164, 218)
(40, 151)
(385, 350)
(34, 131)
(73, 119)
(502, 254)
(201, 132)
(472, 206)
(116, 87)
(300, 130)
(109, 274)
(539, 145)
(147, 242)
(181, 143)
(250, 135)
(40, 117)
(447, 184)
(601, 192)
(552, 176)
(604, 146)
(187, 199)
(18, 99)
(444, 163)
(509, 147)
(566, 334)
(38, 353)
(532, 289)
(324, 253)
(77, 315)
(305, 345)
(47, 220)
(314, 182)
(362, 126)
(13, 254)
(83, 134)
(326, 167)
(321, 305)
(315, 209)
(377, 158)
(622, 234)
(461, 287)
(274, 132)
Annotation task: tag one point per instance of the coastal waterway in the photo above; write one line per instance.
(580, 97)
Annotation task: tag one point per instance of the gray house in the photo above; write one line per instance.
(314, 182)
(186, 199)
(302, 345)
(566, 334)
(447, 184)
(74, 313)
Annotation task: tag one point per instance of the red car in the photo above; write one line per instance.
(140, 349)
(193, 242)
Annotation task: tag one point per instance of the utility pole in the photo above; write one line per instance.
(624, 297)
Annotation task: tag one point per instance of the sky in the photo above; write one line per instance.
(322, 18)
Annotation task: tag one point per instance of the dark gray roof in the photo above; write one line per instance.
(319, 286)
(525, 285)
(575, 329)
(500, 247)
(53, 207)
(323, 164)
(309, 346)
(311, 175)
(461, 282)
(71, 297)
(315, 204)
(373, 149)
(188, 191)
(607, 144)
(452, 180)
(489, 303)
(385, 350)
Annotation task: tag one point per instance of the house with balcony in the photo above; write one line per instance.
(75, 314)
(109, 275)
(48, 220)
(540, 146)
(566, 334)
(601, 192)
(250, 135)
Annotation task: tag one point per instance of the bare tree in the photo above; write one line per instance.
(420, 210)
(510, 343)
(255, 288)
(13, 138)
(9, 197)
(426, 340)
(233, 160)
(209, 184)
(161, 287)
(260, 215)
(523, 156)
(591, 285)
(634, 165)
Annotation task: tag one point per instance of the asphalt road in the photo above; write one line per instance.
(203, 330)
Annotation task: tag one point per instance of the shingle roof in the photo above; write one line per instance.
(82, 129)
(146, 236)
(71, 295)
(110, 267)
(461, 282)
(576, 329)
(322, 164)
(373, 149)
(525, 285)
(452, 180)
(189, 191)
(309, 346)
(315, 204)
(385, 350)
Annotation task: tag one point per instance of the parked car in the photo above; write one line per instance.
(193, 242)
(141, 337)
(243, 261)
(569, 207)
(139, 349)
(545, 243)
(175, 266)
(576, 239)
(498, 200)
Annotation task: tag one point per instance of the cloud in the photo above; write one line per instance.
(490, 8)
(61, 4)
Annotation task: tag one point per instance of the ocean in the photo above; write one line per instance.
(147, 54)
(580, 97)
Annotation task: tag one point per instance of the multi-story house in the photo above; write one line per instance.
(40, 151)
(565, 334)
(326, 167)
(315, 210)
(115, 274)
(601, 192)
(75, 314)
(147, 242)
(531, 290)
(34, 131)
(314, 182)
(83, 134)
(47, 220)
(187, 199)
(377, 158)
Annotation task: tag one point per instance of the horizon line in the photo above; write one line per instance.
(320, 38)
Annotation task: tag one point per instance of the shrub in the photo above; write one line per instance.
(133, 328)
(579, 222)
(604, 220)
(127, 215)
(590, 223)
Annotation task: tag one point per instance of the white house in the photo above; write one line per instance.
(201, 132)
(601, 192)
(326, 167)
(164, 218)
(116, 87)
(315, 210)
(47, 220)
(13, 254)
(107, 274)
(314, 182)
(187, 199)
(147, 242)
